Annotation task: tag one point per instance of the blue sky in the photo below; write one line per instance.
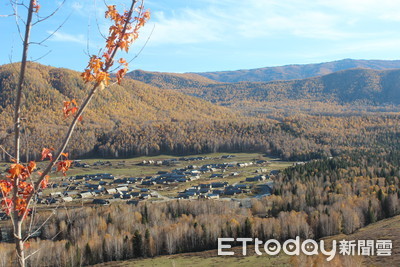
(211, 35)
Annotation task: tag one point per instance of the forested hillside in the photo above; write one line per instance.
(172, 80)
(138, 119)
(133, 105)
(133, 101)
(293, 72)
(366, 86)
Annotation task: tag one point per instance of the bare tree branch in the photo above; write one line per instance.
(39, 58)
(17, 19)
(140, 51)
(145, 44)
(5, 151)
(31, 234)
(49, 16)
(54, 32)
(33, 253)
(4, 16)
(40, 227)
(97, 22)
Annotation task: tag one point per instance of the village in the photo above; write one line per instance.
(225, 177)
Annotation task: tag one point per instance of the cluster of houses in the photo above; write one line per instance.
(104, 187)
(80, 164)
(216, 190)
(166, 162)
(191, 173)
(93, 186)
(176, 161)
(257, 178)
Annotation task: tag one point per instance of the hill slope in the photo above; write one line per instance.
(387, 229)
(293, 72)
(133, 101)
(174, 80)
(116, 119)
(348, 86)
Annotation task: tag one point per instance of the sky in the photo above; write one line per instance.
(213, 35)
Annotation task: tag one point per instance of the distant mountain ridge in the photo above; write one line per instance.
(347, 86)
(295, 72)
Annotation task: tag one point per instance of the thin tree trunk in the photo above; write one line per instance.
(19, 244)
(17, 219)
(17, 110)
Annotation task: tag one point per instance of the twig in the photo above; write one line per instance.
(52, 14)
(17, 18)
(97, 22)
(4, 16)
(144, 45)
(37, 230)
(5, 151)
(33, 253)
(39, 58)
(140, 51)
(48, 218)
(54, 32)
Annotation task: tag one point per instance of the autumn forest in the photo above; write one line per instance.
(331, 129)
(351, 178)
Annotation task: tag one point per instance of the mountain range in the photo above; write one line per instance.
(154, 96)
(376, 87)
(294, 72)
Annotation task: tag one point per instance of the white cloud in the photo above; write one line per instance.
(190, 26)
(77, 6)
(229, 20)
(362, 5)
(92, 8)
(65, 37)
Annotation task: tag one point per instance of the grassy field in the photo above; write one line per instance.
(206, 258)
